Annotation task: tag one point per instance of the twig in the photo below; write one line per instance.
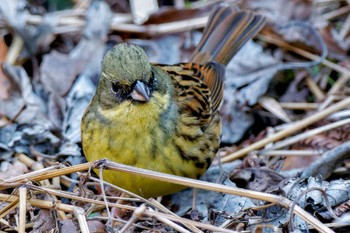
(104, 195)
(324, 194)
(289, 152)
(82, 199)
(172, 224)
(121, 22)
(299, 106)
(290, 130)
(160, 29)
(22, 209)
(304, 53)
(14, 50)
(216, 187)
(318, 37)
(7, 209)
(187, 222)
(345, 29)
(39, 203)
(274, 107)
(326, 102)
(34, 165)
(338, 84)
(79, 214)
(308, 134)
(168, 178)
(160, 207)
(315, 89)
(336, 13)
(77, 211)
(329, 160)
(46, 173)
(136, 215)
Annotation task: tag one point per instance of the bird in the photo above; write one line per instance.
(164, 117)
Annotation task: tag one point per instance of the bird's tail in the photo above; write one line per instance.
(227, 31)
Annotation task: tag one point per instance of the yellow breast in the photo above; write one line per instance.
(134, 134)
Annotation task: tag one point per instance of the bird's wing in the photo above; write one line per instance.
(198, 88)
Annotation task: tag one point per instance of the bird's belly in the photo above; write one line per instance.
(139, 145)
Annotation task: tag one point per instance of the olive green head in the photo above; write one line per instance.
(126, 75)
(126, 64)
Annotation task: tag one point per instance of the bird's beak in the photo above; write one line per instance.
(141, 92)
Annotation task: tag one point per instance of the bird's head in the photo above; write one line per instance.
(126, 75)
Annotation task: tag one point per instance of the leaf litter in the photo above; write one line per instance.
(273, 88)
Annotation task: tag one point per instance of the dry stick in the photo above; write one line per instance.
(308, 134)
(6, 223)
(15, 49)
(80, 215)
(340, 115)
(73, 20)
(274, 107)
(218, 188)
(154, 30)
(290, 130)
(290, 152)
(340, 83)
(159, 206)
(337, 224)
(172, 179)
(78, 212)
(326, 102)
(304, 53)
(82, 199)
(22, 209)
(81, 4)
(180, 220)
(336, 13)
(315, 89)
(119, 23)
(39, 203)
(299, 106)
(47, 173)
(68, 208)
(152, 203)
(103, 203)
(136, 215)
(131, 194)
(7, 209)
(103, 192)
(32, 164)
(172, 224)
(187, 221)
(345, 29)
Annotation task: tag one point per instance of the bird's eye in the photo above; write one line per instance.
(115, 87)
(153, 81)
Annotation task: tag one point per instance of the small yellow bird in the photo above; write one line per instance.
(164, 117)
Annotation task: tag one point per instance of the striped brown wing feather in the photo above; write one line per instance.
(212, 75)
(199, 88)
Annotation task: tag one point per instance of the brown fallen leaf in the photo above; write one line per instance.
(45, 222)
(68, 226)
(96, 226)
